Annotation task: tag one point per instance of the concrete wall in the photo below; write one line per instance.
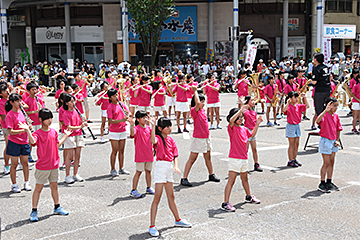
(111, 24)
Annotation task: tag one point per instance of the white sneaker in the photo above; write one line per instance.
(69, 179)
(78, 178)
(20, 166)
(27, 186)
(6, 170)
(102, 139)
(15, 189)
(114, 172)
(123, 171)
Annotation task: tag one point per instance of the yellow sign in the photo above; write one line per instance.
(317, 50)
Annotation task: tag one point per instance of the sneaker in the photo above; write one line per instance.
(296, 161)
(269, 124)
(78, 178)
(124, 172)
(292, 163)
(150, 190)
(214, 178)
(252, 199)
(185, 130)
(34, 216)
(135, 194)
(323, 188)
(185, 182)
(153, 232)
(283, 115)
(114, 173)
(212, 127)
(6, 170)
(208, 119)
(257, 167)
(102, 139)
(262, 112)
(278, 116)
(188, 121)
(227, 207)
(106, 131)
(182, 223)
(305, 118)
(277, 124)
(332, 187)
(89, 121)
(15, 189)
(313, 127)
(60, 211)
(354, 131)
(27, 186)
(69, 179)
(179, 130)
(20, 167)
(218, 127)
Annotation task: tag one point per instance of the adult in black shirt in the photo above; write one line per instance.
(321, 82)
(61, 77)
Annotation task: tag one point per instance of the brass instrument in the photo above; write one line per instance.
(255, 93)
(303, 89)
(275, 98)
(341, 96)
(348, 91)
(335, 90)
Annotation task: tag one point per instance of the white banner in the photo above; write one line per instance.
(339, 31)
(251, 54)
(327, 49)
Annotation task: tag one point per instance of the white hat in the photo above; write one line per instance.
(336, 59)
(302, 61)
(260, 60)
(287, 62)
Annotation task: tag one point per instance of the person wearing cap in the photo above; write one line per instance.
(260, 66)
(287, 67)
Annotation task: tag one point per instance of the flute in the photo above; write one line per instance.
(82, 119)
(156, 92)
(207, 84)
(142, 86)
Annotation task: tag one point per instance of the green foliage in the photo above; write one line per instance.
(149, 16)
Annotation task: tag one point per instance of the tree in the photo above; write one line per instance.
(149, 15)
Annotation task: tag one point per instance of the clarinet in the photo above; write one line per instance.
(82, 118)
(37, 101)
(123, 109)
(27, 118)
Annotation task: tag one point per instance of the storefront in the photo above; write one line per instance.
(87, 42)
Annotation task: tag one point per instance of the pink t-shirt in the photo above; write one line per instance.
(33, 106)
(2, 111)
(356, 91)
(250, 119)
(61, 114)
(288, 88)
(181, 94)
(191, 92)
(262, 94)
(294, 113)
(78, 103)
(83, 89)
(133, 100)
(238, 139)
(333, 86)
(212, 95)
(115, 112)
(243, 88)
(143, 146)
(159, 99)
(72, 118)
(167, 153)
(111, 82)
(12, 121)
(25, 96)
(352, 83)
(104, 102)
(47, 150)
(201, 126)
(58, 92)
(143, 96)
(329, 126)
(281, 87)
(270, 90)
(301, 81)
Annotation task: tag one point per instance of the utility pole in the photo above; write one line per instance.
(125, 23)
(319, 27)
(236, 29)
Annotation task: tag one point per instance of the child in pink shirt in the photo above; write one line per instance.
(190, 94)
(58, 92)
(159, 99)
(213, 100)
(329, 143)
(143, 94)
(18, 143)
(355, 92)
(270, 90)
(238, 162)
(140, 131)
(181, 106)
(35, 105)
(293, 110)
(117, 131)
(262, 96)
(4, 96)
(103, 101)
(242, 85)
(290, 85)
(201, 142)
(79, 97)
(166, 154)
(133, 100)
(47, 166)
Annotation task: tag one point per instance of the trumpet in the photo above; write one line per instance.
(303, 89)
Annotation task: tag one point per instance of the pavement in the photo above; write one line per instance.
(291, 207)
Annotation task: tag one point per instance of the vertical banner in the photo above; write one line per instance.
(251, 54)
(209, 54)
(327, 48)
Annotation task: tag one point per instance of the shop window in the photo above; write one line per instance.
(183, 51)
(338, 6)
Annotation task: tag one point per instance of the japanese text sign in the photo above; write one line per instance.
(340, 31)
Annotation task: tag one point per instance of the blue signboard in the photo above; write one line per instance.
(181, 27)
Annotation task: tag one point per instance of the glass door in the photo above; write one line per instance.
(94, 54)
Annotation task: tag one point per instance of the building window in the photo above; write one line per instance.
(358, 7)
(339, 5)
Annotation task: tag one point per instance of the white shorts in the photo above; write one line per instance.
(134, 106)
(200, 145)
(117, 136)
(238, 165)
(104, 113)
(355, 106)
(189, 101)
(146, 109)
(268, 104)
(238, 101)
(213, 105)
(160, 108)
(251, 138)
(36, 127)
(170, 101)
(142, 166)
(86, 104)
(5, 131)
(74, 142)
(182, 107)
(163, 172)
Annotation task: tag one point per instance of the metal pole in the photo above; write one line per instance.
(211, 24)
(319, 23)
(68, 30)
(5, 41)
(285, 27)
(236, 42)
(322, 22)
(125, 23)
(313, 26)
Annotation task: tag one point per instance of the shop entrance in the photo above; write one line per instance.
(93, 54)
(168, 51)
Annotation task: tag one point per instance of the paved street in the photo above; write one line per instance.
(291, 207)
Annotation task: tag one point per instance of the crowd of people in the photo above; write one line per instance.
(131, 95)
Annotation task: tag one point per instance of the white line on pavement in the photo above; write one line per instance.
(308, 175)
(186, 135)
(354, 183)
(357, 148)
(224, 159)
(216, 153)
(272, 147)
